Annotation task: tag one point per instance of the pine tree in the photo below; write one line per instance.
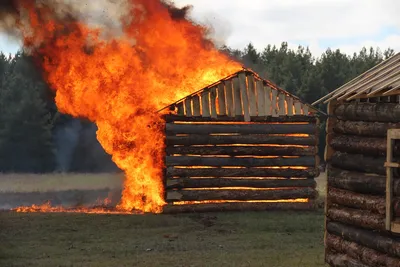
(25, 135)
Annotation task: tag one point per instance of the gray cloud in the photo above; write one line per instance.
(309, 22)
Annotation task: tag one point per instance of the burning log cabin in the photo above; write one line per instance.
(241, 143)
(363, 190)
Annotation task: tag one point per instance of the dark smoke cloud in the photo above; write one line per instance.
(178, 13)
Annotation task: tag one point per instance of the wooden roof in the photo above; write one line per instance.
(243, 93)
(381, 80)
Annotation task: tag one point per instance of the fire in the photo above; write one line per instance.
(298, 200)
(119, 83)
(47, 207)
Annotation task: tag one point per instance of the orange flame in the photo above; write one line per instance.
(120, 86)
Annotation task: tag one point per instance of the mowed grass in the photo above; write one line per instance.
(214, 239)
(272, 239)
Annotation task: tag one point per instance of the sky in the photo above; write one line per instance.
(344, 24)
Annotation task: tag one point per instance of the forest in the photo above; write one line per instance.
(36, 138)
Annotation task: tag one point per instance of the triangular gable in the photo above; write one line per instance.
(242, 94)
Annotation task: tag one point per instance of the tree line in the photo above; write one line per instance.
(35, 137)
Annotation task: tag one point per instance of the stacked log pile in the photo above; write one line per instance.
(356, 198)
(228, 165)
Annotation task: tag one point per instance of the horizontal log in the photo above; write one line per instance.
(240, 139)
(360, 218)
(264, 128)
(240, 194)
(372, 146)
(226, 182)
(375, 204)
(242, 172)
(371, 239)
(307, 161)
(243, 150)
(356, 251)
(342, 260)
(360, 182)
(358, 162)
(238, 206)
(375, 112)
(363, 128)
(297, 118)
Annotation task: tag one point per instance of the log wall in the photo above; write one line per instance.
(228, 164)
(356, 193)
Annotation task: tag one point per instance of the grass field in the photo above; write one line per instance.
(272, 239)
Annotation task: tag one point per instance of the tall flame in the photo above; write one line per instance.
(121, 82)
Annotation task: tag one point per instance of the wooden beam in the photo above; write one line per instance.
(297, 107)
(264, 119)
(205, 104)
(188, 107)
(241, 139)
(196, 106)
(370, 239)
(230, 104)
(252, 95)
(243, 150)
(243, 94)
(173, 183)
(274, 104)
(237, 206)
(240, 194)
(305, 161)
(261, 102)
(364, 254)
(213, 102)
(373, 112)
(221, 100)
(363, 128)
(359, 218)
(172, 128)
(237, 97)
(242, 172)
(181, 110)
(268, 100)
(281, 104)
(360, 182)
(290, 107)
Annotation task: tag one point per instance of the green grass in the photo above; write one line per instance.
(273, 239)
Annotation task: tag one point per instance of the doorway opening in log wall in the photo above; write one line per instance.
(241, 143)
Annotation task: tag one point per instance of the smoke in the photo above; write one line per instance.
(66, 138)
(107, 15)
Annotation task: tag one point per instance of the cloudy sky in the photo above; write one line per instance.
(319, 24)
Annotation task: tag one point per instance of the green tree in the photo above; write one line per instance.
(25, 134)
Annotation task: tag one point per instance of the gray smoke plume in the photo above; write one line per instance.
(106, 15)
(66, 138)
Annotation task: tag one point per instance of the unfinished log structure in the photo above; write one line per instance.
(241, 143)
(363, 190)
